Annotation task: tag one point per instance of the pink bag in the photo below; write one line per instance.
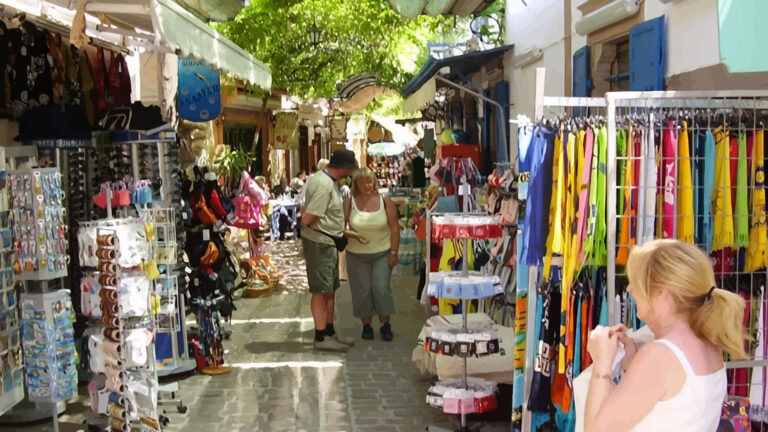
(247, 204)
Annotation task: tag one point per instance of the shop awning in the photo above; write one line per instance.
(177, 30)
(155, 24)
(463, 64)
(463, 8)
(420, 91)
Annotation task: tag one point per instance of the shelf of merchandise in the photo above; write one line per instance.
(463, 382)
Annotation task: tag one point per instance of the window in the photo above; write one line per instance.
(619, 78)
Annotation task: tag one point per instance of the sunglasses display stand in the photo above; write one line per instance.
(11, 371)
(126, 391)
(462, 407)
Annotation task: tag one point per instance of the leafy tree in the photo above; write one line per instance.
(356, 36)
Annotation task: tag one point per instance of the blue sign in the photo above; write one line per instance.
(199, 91)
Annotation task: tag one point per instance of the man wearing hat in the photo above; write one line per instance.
(323, 221)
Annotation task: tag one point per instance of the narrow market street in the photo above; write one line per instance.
(278, 383)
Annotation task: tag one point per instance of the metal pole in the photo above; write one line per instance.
(610, 166)
(502, 125)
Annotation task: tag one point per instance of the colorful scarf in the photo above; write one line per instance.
(685, 222)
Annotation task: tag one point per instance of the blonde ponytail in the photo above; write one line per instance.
(720, 321)
(685, 272)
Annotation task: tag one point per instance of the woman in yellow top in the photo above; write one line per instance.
(371, 252)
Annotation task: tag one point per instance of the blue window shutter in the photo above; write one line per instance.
(485, 136)
(501, 95)
(647, 56)
(582, 83)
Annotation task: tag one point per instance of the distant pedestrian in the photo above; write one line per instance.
(373, 253)
(323, 222)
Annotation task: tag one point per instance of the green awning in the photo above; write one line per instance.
(463, 8)
(168, 26)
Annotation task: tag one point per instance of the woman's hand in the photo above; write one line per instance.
(355, 235)
(630, 347)
(393, 260)
(602, 346)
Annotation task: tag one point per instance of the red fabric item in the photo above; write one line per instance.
(99, 92)
(119, 92)
(215, 203)
(462, 151)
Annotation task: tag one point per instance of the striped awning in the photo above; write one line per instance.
(462, 8)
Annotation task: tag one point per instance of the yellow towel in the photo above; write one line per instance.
(722, 206)
(685, 221)
(757, 251)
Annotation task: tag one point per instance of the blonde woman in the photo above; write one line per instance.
(678, 382)
(372, 252)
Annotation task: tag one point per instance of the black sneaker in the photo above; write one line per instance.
(367, 332)
(386, 332)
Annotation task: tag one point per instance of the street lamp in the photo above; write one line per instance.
(314, 35)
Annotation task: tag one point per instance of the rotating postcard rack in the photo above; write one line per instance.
(39, 243)
(11, 368)
(464, 395)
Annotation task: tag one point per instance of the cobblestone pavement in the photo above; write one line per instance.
(278, 383)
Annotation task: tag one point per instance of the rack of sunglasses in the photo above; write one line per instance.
(121, 334)
(126, 387)
(40, 230)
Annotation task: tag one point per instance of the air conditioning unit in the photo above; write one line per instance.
(527, 57)
(614, 11)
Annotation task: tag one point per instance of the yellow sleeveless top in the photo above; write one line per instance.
(371, 225)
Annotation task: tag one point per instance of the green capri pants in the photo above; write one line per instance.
(369, 283)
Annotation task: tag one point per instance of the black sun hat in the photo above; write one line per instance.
(343, 159)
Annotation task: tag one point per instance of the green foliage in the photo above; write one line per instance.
(231, 166)
(356, 36)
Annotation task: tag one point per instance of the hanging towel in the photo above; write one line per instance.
(585, 212)
(708, 187)
(741, 210)
(624, 232)
(685, 222)
(669, 143)
(757, 251)
(555, 235)
(621, 165)
(600, 255)
(722, 209)
(535, 234)
(567, 277)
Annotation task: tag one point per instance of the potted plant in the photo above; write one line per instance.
(231, 165)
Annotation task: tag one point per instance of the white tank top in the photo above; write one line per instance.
(374, 226)
(696, 408)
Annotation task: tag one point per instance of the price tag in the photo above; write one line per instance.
(465, 190)
(206, 235)
(197, 282)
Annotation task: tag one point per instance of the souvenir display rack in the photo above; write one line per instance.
(125, 383)
(40, 241)
(456, 393)
(11, 369)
